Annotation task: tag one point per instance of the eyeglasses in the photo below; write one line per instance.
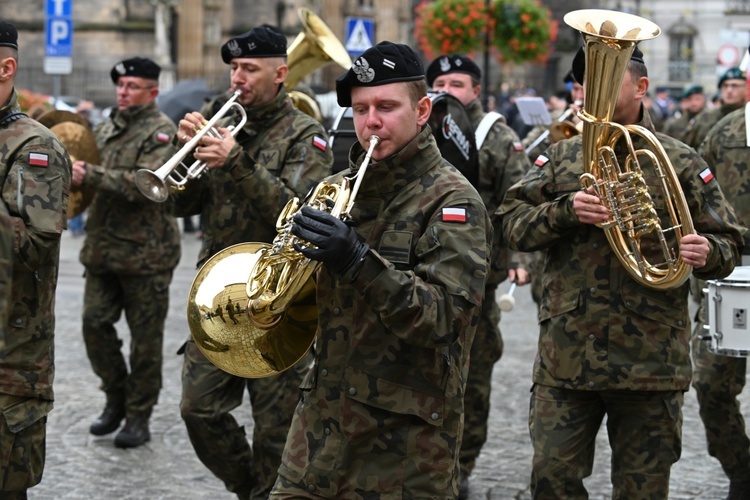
(131, 87)
(732, 85)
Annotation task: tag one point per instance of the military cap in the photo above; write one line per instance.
(456, 63)
(136, 66)
(262, 41)
(691, 90)
(579, 62)
(8, 34)
(732, 74)
(384, 63)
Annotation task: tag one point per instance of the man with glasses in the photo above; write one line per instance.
(132, 246)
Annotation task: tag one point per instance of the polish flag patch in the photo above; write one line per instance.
(517, 146)
(162, 137)
(454, 215)
(707, 175)
(320, 143)
(38, 159)
(541, 161)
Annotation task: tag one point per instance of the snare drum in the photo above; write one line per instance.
(728, 302)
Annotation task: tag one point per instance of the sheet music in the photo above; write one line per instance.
(533, 111)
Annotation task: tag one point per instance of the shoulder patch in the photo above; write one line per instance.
(706, 175)
(454, 214)
(517, 146)
(162, 137)
(39, 159)
(541, 161)
(320, 143)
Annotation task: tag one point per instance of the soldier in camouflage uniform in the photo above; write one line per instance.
(6, 270)
(502, 163)
(132, 246)
(608, 345)
(280, 153)
(718, 380)
(399, 298)
(692, 102)
(34, 186)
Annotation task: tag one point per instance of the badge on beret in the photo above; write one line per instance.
(362, 69)
(445, 64)
(120, 68)
(234, 48)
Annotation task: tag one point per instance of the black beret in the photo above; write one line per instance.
(569, 77)
(8, 34)
(262, 41)
(579, 62)
(456, 63)
(732, 74)
(135, 66)
(386, 62)
(692, 90)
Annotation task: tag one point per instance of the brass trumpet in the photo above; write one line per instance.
(155, 184)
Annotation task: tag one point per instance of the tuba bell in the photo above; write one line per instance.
(636, 225)
(251, 308)
(314, 47)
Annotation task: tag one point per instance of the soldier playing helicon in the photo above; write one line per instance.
(279, 154)
(502, 163)
(132, 246)
(35, 181)
(398, 296)
(607, 344)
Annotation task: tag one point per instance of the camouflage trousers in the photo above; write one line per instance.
(145, 300)
(23, 433)
(645, 434)
(208, 396)
(717, 381)
(486, 350)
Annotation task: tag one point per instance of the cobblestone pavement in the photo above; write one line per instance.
(82, 466)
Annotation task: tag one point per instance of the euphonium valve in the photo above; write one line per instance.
(251, 307)
(643, 235)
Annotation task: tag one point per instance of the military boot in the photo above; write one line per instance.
(108, 421)
(135, 433)
(739, 490)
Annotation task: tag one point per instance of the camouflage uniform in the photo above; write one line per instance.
(386, 391)
(677, 126)
(703, 122)
(607, 344)
(35, 169)
(6, 271)
(131, 247)
(502, 163)
(718, 380)
(276, 159)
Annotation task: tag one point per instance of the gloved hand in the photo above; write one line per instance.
(338, 245)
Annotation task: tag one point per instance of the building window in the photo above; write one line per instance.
(681, 39)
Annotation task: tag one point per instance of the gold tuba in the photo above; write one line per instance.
(314, 47)
(610, 38)
(251, 308)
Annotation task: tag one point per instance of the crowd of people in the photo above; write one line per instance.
(393, 399)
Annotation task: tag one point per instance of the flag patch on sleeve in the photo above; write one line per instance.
(320, 143)
(541, 161)
(517, 146)
(707, 175)
(162, 137)
(38, 159)
(452, 214)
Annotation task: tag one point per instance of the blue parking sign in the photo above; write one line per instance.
(58, 36)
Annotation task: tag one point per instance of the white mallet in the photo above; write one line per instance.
(507, 301)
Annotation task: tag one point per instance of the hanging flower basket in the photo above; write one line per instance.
(522, 31)
(451, 26)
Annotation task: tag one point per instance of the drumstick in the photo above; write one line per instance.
(507, 301)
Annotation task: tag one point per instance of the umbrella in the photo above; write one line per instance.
(186, 96)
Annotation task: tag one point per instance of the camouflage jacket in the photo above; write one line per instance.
(726, 152)
(699, 126)
(677, 126)
(502, 163)
(35, 175)
(599, 328)
(6, 270)
(281, 153)
(125, 232)
(393, 342)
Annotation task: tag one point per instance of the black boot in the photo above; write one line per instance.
(135, 433)
(739, 490)
(108, 421)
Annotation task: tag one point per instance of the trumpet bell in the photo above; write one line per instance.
(151, 185)
(559, 131)
(225, 333)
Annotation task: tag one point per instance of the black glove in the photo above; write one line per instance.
(338, 245)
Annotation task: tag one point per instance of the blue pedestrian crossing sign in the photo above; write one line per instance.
(360, 33)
